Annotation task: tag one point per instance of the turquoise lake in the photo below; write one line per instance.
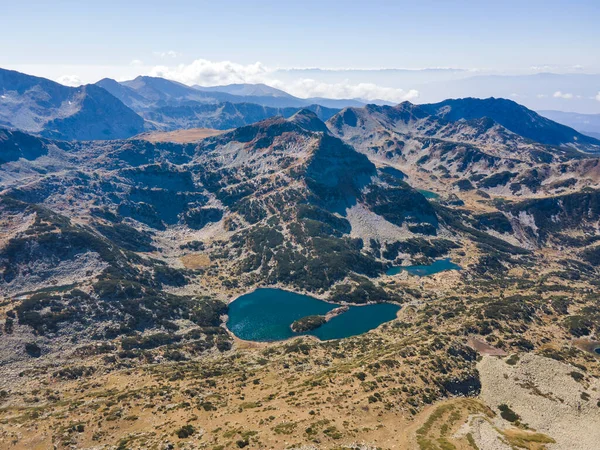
(428, 194)
(422, 271)
(266, 315)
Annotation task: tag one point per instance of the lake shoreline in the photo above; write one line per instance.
(266, 315)
(320, 297)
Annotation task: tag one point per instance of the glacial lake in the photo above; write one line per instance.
(428, 194)
(266, 315)
(422, 271)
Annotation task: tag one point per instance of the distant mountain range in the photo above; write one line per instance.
(168, 105)
(114, 110)
(145, 93)
(41, 106)
(588, 124)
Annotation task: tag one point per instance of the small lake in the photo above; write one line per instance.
(428, 194)
(266, 315)
(422, 271)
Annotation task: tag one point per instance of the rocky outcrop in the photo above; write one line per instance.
(313, 322)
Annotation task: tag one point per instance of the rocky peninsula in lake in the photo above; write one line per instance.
(313, 322)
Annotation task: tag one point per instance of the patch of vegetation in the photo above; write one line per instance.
(127, 237)
(512, 360)
(148, 342)
(308, 323)
(185, 431)
(360, 290)
(508, 414)
(496, 221)
(577, 376)
(430, 248)
(285, 428)
(199, 218)
(579, 325)
(33, 349)
(401, 204)
(169, 276)
(497, 179)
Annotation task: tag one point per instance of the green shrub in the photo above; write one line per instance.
(507, 413)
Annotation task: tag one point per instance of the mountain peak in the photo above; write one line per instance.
(309, 121)
(41, 106)
(514, 117)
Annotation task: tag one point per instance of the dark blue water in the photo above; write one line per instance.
(428, 194)
(422, 271)
(396, 173)
(266, 315)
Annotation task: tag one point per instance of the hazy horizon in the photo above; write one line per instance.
(392, 52)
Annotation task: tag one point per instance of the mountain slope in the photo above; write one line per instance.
(41, 106)
(475, 153)
(513, 117)
(118, 258)
(273, 172)
(221, 116)
(309, 120)
(127, 95)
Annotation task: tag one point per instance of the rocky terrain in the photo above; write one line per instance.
(515, 118)
(465, 155)
(118, 259)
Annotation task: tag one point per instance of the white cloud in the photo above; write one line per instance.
(543, 68)
(168, 54)
(598, 96)
(215, 73)
(565, 95)
(542, 96)
(209, 73)
(69, 80)
(136, 63)
(368, 91)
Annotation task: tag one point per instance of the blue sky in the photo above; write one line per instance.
(221, 42)
(505, 35)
